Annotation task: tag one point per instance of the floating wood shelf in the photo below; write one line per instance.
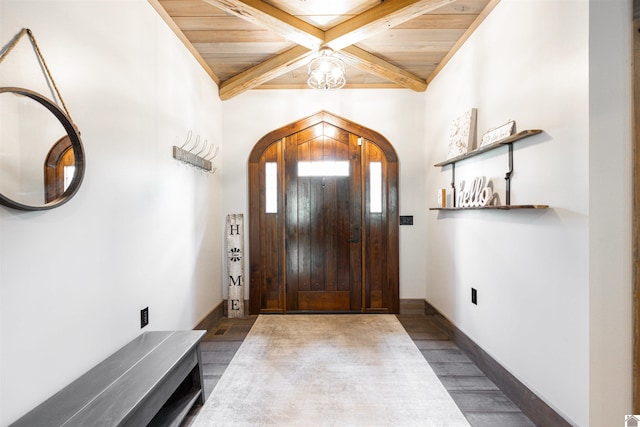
(502, 207)
(509, 140)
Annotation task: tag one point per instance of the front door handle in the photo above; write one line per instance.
(356, 234)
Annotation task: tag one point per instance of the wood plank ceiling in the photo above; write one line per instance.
(254, 44)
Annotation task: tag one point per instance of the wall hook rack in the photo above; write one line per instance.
(193, 156)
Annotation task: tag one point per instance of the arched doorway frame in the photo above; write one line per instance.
(255, 193)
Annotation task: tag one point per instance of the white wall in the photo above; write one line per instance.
(537, 272)
(610, 210)
(396, 114)
(143, 230)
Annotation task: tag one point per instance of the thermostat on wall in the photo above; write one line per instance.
(406, 220)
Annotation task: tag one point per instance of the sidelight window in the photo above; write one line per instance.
(375, 187)
(271, 187)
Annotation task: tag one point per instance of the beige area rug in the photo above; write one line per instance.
(329, 370)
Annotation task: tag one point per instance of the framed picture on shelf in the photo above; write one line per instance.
(462, 134)
(496, 134)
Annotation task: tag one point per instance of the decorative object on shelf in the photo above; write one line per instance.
(478, 194)
(462, 133)
(498, 133)
(47, 136)
(326, 71)
(442, 197)
(194, 156)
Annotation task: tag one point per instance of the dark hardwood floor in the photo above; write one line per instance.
(479, 399)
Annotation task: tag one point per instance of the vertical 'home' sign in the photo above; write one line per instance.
(235, 265)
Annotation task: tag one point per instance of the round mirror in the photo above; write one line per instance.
(41, 154)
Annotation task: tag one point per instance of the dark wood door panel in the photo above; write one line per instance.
(318, 247)
(270, 275)
(356, 270)
(375, 222)
(324, 301)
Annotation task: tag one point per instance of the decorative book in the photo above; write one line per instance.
(462, 134)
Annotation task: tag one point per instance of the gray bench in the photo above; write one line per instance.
(153, 380)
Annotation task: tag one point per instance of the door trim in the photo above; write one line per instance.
(322, 116)
(255, 255)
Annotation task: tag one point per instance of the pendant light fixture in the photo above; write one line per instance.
(326, 71)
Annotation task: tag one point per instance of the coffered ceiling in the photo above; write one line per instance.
(254, 44)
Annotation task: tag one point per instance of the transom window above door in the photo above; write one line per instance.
(323, 168)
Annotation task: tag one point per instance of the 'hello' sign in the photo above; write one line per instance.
(477, 194)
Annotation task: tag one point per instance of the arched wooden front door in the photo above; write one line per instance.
(323, 222)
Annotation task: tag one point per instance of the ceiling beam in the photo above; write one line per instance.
(387, 14)
(266, 16)
(288, 61)
(261, 73)
(365, 61)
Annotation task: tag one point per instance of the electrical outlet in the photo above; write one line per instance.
(144, 317)
(474, 296)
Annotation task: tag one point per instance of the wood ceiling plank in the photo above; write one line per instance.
(243, 49)
(190, 8)
(423, 70)
(420, 69)
(274, 19)
(296, 77)
(230, 69)
(473, 7)
(377, 19)
(323, 7)
(481, 17)
(324, 14)
(227, 67)
(264, 72)
(178, 32)
(425, 47)
(408, 58)
(407, 42)
(233, 36)
(439, 22)
(367, 62)
(217, 23)
(238, 63)
(402, 37)
(325, 22)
